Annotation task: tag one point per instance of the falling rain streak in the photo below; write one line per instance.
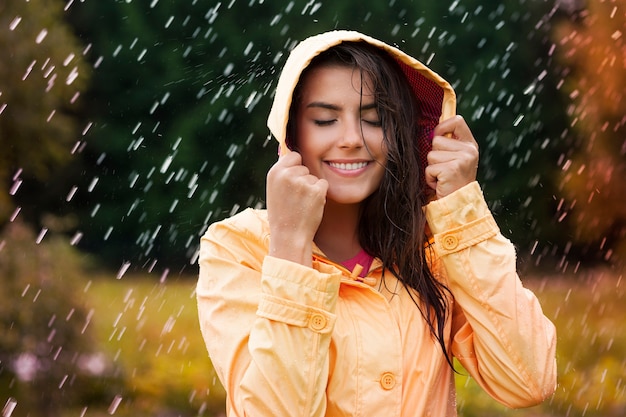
(180, 142)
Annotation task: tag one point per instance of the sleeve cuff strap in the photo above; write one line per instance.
(463, 206)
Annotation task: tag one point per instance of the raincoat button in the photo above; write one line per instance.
(387, 380)
(317, 322)
(450, 242)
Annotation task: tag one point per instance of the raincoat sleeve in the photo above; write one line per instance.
(266, 322)
(499, 332)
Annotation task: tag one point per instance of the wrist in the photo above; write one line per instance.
(291, 249)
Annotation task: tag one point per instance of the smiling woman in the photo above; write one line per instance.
(376, 261)
(339, 136)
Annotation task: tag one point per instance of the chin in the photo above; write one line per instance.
(346, 198)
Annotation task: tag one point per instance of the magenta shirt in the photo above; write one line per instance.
(361, 258)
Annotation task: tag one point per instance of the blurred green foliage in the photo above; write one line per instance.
(181, 91)
(42, 75)
(48, 358)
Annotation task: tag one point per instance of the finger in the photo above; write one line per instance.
(442, 145)
(290, 159)
(439, 157)
(322, 186)
(455, 127)
(307, 178)
(431, 173)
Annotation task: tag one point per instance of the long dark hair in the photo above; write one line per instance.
(401, 241)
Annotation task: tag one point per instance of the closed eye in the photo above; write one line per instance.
(375, 123)
(324, 122)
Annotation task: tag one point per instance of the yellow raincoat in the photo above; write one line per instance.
(289, 340)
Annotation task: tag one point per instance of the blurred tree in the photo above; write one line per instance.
(48, 360)
(498, 56)
(182, 90)
(41, 77)
(179, 102)
(593, 53)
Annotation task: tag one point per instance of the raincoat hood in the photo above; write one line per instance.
(435, 96)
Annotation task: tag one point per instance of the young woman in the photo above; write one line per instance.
(377, 260)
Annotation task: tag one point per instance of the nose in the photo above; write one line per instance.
(352, 134)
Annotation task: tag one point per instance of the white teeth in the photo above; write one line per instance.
(348, 167)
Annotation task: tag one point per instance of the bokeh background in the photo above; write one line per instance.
(128, 126)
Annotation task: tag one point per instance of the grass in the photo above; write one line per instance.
(150, 328)
(588, 310)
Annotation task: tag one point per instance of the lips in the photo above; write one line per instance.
(350, 166)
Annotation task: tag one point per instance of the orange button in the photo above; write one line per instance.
(450, 242)
(387, 380)
(317, 322)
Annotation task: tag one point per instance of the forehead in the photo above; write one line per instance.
(336, 81)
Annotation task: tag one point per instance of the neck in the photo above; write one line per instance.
(337, 235)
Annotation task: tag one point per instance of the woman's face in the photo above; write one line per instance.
(339, 133)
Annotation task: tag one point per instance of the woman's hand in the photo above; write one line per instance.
(295, 205)
(453, 160)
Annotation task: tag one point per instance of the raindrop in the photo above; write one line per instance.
(71, 194)
(92, 185)
(166, 164)
(15, 22)
(114, 404)
(53, 332)
(76, 238)
(7, 411)
(123, 270)
(228, 70)
(87, 320)
(42, 35)
(25, 290)
(15, 213)
(142, 54)
(16, 185)
(68, 59)
(164, 275)
(68, 5)
(41, 235)
(29, 69)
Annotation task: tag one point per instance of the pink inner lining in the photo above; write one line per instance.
(361, 258)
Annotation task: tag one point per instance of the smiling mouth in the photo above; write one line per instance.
(349, 166)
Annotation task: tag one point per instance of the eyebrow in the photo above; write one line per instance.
(329, 106)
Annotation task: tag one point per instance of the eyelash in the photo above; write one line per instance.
(324, 122)
(376, 123)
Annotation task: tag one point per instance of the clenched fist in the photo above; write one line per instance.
(453, 160)
(295, 206)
